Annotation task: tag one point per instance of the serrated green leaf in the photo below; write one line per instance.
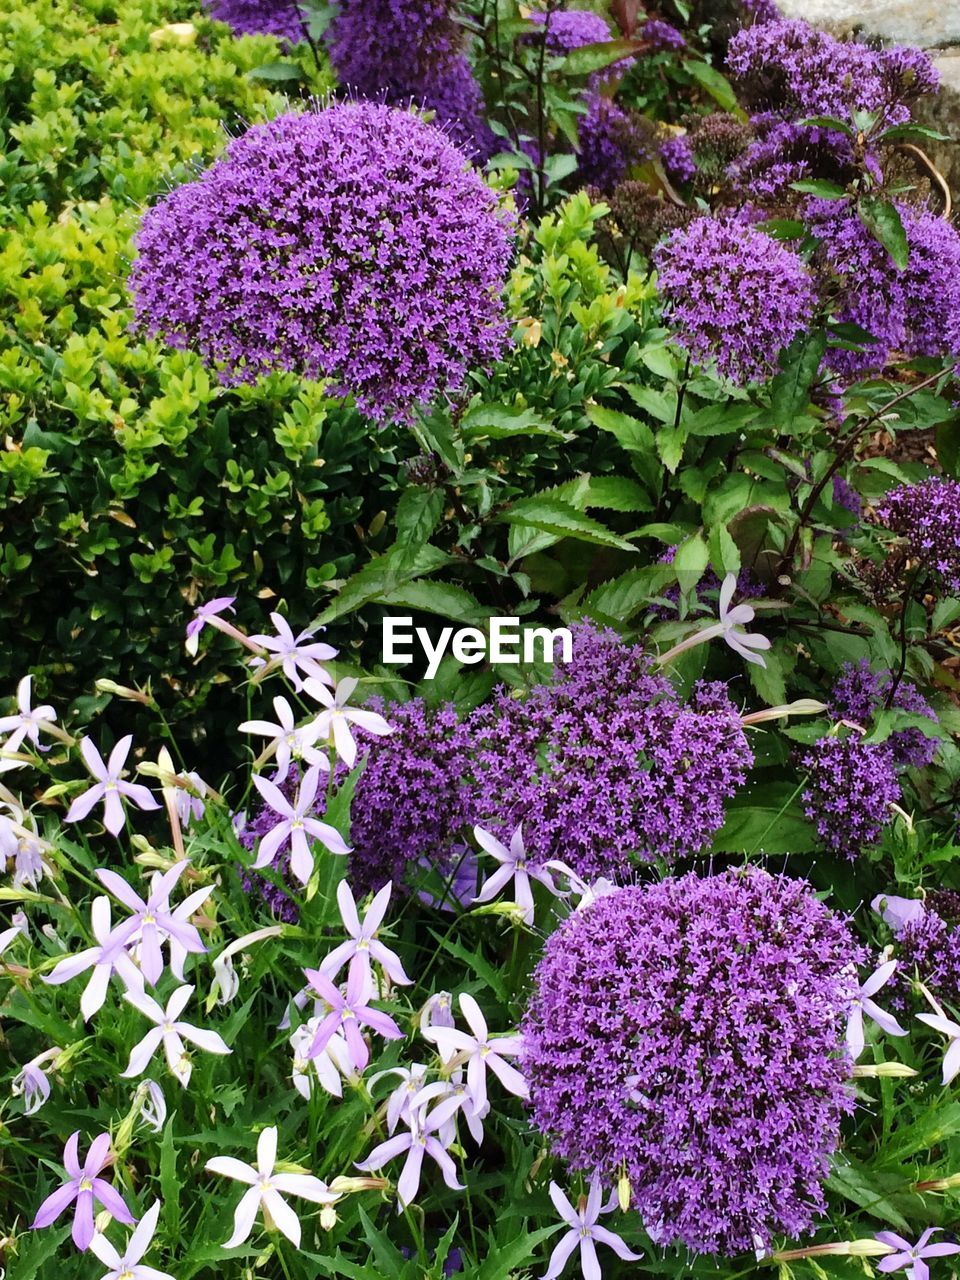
(799, 365)
(498, 422)
(594, 57)
(564, 520)
(724, 552)
(169, 1182)
(418, 513)
(387, 573)
(820, 187)
(883, 221)
(442, 598)
(717, 85)
(630, 433)
(275, 71)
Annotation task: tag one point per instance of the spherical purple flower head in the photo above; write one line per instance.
(760, 11)
(928, 948)
(409, 803)
(733, 296)
(676, 156)
(403, 51)
(859, 694)
(927, 517)
(913, 309)
(844, 495)
(611, 142)
(783, 152)
(606, 766)
(851, 785)
(352, 244)
(691, 1033)
(280, 18)
(282, 904)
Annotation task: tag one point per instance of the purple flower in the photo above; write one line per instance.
(584, 1233)
(296, 823)
(31, 1081)
(733, 296)
(480, 1053)
(898, 913)
(611, 141)
(310, 221)
(154, 921)
(733, 617)
(109, 787)
(513, 866)
(27, 722)
(606, 766)
(348, 1012)
(864, 1004)
(106, 958)
(859, 694)
(84, 1186)
(661, 35)
(844, 495)
(363, 946)
(294, 654)
(420, 1140)
(334, 721)
(412, 51)
(927, 516)
(728, 994)
(170, 1031)
(676, 156)
(126, 1266)
(851, 785)
(208, 613)
(280, 18)
(912, 1256)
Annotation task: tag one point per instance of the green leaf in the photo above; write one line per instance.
(912, 132)
(948, 445)
(820, 187)
(418, 513)
(386, 573)
(441, 598)
(690, 560)
(724, 552)
(930, 1130)
(593, 57)
(670, 443)
(865, 1189)
(882, 220)
(169, 1182)
(827, 122)
(620, 598)
(501, 1261)
(484, 970)
(768, 681)
(717, 85)
(498, 421)
(720, 419)
(766, 820)
(630, 433)
(276, 71)
(799, 365)
(661, 405)
(36, 1248)
(607, 493)
(555, 516)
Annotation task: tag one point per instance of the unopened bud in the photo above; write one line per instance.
(623, 1192)
(865, 1248)
(884, 1070)
(344, 1186)
(328, 1217)
(124, 691)
(938, 1184)
(802, 707)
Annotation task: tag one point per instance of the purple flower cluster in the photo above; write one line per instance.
(927, 517)
(860, 693)
(928, 947)
(791, 67)
(662, 36)
(351, 243)
(281, 903)
(569, 29)
(676, 156)
(733, 296)
(914, 309)
(748, 588)
(411, 51)
(606, 766)
(845, 496)
(280, 18)
(612, 140)
(409, 804)
(850, 787)
(690, 1034)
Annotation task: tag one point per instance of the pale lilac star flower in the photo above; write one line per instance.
(584, 892)
(897, 912)
(863, 1004)
(479, 1053)
(107, 958)
(31, 1082)
(400, 1098)
(335, 720)
(294, 654)
(286, 741)
(438, 1011)
(451, 1096)
(513, 866)
(19, 928)
(267, 1189)
(208, 613)
(585, 1233)
(296, 823)
(127, 1266)
(348, 1012)
(913, 1256)
(153, 1105)
(26, 724)
(21, 845)
(363, 945)
(154, 921)
(109, 787)
(330, 1067)
(84, 1185)
(170, 1031)
(190, 805)
(951, 1059)
(418, 1141)
(226, 982)
(730, 628)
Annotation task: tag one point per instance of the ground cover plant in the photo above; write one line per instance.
(637, 957)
